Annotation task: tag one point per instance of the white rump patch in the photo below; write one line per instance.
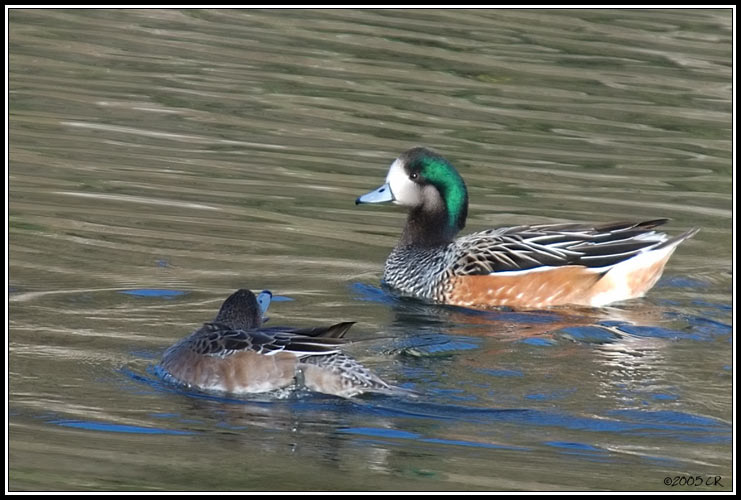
(619, 274)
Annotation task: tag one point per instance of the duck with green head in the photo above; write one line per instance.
(531, 266)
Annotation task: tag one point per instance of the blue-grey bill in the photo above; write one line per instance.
(263, 300)
(380, 195)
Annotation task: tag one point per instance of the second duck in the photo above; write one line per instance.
(232, 354)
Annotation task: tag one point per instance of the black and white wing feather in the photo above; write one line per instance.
(214, 339)
(522, 248)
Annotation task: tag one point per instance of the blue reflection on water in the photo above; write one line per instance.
(110, 427)
(430, 337)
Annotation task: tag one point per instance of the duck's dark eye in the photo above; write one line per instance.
(414, 175)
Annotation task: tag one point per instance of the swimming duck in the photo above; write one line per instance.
(232, 354)
(534, 266)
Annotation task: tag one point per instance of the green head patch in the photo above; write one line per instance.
(437, 171)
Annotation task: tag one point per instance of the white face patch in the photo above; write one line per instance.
(406, 192)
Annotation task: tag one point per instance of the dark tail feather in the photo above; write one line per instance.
(336, 331)
(679, 239)
(623, 226)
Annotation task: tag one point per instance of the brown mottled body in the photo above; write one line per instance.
(232, 355)
(241, 372)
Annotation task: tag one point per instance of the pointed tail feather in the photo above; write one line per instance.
(336, 331)
(624, 226)
(679, 239)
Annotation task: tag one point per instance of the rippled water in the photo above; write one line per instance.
(160, 159)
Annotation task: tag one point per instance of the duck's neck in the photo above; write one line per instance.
(427, 229)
